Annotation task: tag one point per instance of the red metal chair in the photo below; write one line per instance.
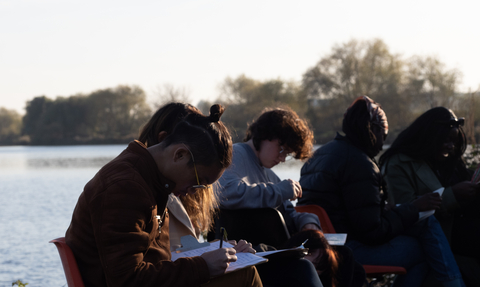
(74, 279)
(325, 222)
(372, 271)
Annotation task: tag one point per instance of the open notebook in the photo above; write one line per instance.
(192, 248)
(243, 259)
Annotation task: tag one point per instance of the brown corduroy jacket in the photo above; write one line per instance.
(114, 232)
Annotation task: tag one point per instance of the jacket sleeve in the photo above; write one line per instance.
(239, 189)
(121, 218)
(370, 222)
(405, 183)
(320, 178)
(300, 218)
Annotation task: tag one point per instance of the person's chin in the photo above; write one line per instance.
(271, 165)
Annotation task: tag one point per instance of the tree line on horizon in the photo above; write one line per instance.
(405, 87)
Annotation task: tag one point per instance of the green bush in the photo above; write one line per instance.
(19, 283)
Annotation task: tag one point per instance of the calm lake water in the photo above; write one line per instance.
(39, 187)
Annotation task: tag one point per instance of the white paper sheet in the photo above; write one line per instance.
(244, 259)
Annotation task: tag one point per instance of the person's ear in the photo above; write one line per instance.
(181, 154)
(161, 136)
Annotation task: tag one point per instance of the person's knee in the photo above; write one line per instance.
(303, 266)
(246, 277)
(254, 280)
(303, 263)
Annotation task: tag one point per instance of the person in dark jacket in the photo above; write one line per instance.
(343, 178)
(426, 156)
(119, 231)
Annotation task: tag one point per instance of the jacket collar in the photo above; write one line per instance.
(176, 208)
(340, 137)
(150, 172)
(423, 171)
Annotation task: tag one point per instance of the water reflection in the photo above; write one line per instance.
(67, 162)
(24, 158)
(40, 187)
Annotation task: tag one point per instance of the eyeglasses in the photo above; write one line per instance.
(284, 152)
(195, 168)
(453, 122)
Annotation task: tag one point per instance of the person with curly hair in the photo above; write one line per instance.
(250, 183)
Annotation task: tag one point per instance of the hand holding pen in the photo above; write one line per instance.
(219, 259)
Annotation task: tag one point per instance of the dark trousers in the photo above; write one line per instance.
(288, 272)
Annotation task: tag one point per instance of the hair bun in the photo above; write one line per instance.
(216, 111)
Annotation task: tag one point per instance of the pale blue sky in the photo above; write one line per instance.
(60, 47)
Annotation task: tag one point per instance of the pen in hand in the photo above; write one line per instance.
(223, 233)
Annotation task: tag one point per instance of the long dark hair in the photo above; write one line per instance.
(424, 137)
(165, 119)
(357, 127)
(206, 136)
(200, 206)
